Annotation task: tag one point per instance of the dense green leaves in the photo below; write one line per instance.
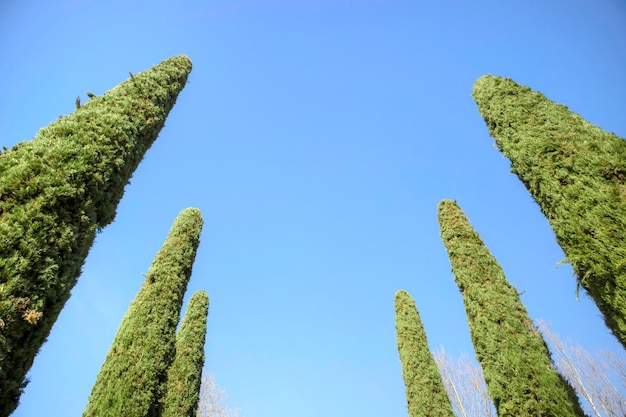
(514, 357)
(576, 172)
(425, 393)
(132, 378)
(185, 373)
(55, 193)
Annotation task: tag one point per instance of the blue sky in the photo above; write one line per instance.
(316, 137)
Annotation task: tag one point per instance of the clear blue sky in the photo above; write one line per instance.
(316, 137)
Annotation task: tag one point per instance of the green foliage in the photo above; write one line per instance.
(132, 378)
(514, 357)
(576, 172)
(425, 392)
(185, 374)
(55, 193)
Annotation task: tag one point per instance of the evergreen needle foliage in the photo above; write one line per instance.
(132, 379)
(425, 393)
(576, 172)
(184, 376)
(514, 357)
(55, 193)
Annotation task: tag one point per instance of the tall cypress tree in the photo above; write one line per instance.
(56, 191)
(514, 357)
(185, 374)
(425, 393)
(132, 378)
(576, 172)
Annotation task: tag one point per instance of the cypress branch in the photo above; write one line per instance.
(56, 191)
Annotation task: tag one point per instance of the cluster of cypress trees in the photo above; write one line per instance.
(512, 353)
(56, 192)
(149, 369)
(576, 172)
(59, 189)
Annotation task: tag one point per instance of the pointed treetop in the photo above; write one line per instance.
(514, 357)
(576, 173)
(57, 191)
(425, 392)
(133, 377)
(184, 376)
(454, 223)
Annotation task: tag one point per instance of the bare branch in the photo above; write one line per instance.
(465, 384)
(593, 377)
(213, 399)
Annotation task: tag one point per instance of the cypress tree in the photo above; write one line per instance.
(185, 374)
(56, 191)
(514, 357)
(576, 173)
(132, 378)
(425, 392)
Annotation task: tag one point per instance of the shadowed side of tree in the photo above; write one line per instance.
(185, 374)
(514, 357)
(576, 172)
(425, 393)
(55, 193)
(132, 379)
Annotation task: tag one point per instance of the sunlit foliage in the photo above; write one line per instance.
(576, 172)
(513, 355)
(132, 379)
(56, 191)
(185, 374)
(425, 392)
